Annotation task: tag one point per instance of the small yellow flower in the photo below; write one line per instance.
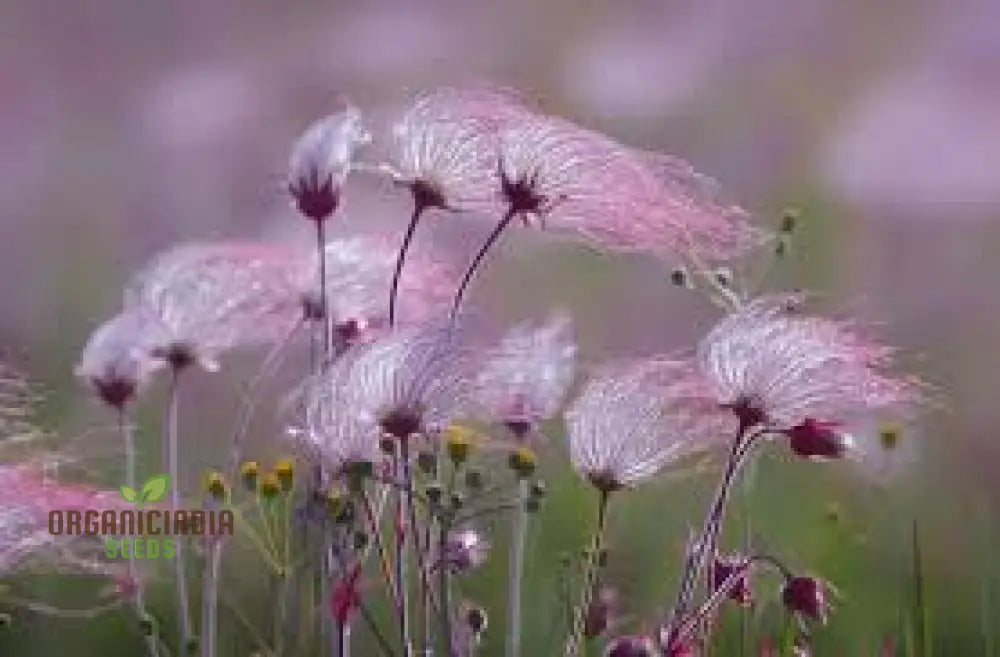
(459, 440)
(523, 461)
(215, 484)
(270, 485)
(889, 434)
(250, 471)
(285, 471)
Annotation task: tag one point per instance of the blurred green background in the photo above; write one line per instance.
(128, 126)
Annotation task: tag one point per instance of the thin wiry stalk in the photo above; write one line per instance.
(344, 639)
(128, 438)
(411, 228)
(444, 594)
(414, 536)
(173, 467)
(210, 600)
(589, 579)
(401, 535)
(515, 572)
(324, 304)
(483, 250)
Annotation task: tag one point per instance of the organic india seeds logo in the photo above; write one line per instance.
(145, 533)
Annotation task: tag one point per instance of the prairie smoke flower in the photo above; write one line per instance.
(525, 377)
(557, 175)
(203, 299)
(445, 153)
(320, 161)
(410, 381)
(113, 363)
(445, 146)
(771, 365)
(464, 550)
(817, 439)
(807, 596)
(333, 431)
(358, 270)
(631, 646)
(633, 420)
(29, 496)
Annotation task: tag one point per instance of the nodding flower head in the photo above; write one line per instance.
(569, 179)
(200, 300)
(358, 270)
(808, 597)
(321, 160)
(631, 646)
(410, 381)
(634, 419)
(445, 146)
(770, 364)
(114, 364)
(464, 550)
(29, 496)
(817, 439)
(525, 377)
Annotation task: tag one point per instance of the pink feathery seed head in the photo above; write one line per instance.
(412, 380)
(30, 495)
(566, 178)
(771, 364)
(320, 161)
(359, 270)
(445, 146)
(524, 378)
(634, 419)
(114, 364)
(631, 646)
(200, 300)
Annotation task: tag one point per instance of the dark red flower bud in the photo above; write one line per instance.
(807, 596)
(345, 598)
(725, 567)
(600, 613)
(818, 440)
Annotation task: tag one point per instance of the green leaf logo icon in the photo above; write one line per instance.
(155, 488)
(128, 494)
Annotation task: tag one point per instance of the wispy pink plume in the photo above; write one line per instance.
(207, 298)
(634, 419)
(359, 270)
(29, 496)
(113, 363)
(525, 377)
(565, 178)
(445, 145)
(789, 367)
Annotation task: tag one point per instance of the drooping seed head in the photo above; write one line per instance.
(771, 364)
(114, 363)
(807, 596)
(320, 161)
(525, 377)
(200, 300)
(635, 418)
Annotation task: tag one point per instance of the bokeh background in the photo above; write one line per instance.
(127, 126)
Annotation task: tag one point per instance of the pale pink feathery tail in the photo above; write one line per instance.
(201, 300)
(29, 496)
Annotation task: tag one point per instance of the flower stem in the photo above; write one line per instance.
(474, 265)
(444, 594)
(401, 535)
(575, 638)
(173, 467)
(411, 228)
(515, 572)
(128, 438)
(210, 600)
(323, 301)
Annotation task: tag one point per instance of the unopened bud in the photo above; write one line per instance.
(474, 479)
(523, 461)
(215, 485)
(427, 462)
(807, 596)
(249, 471)
(285, 471)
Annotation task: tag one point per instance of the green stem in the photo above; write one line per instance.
(573, 642)
(444, 595)
(515, 572)
(173, 466)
